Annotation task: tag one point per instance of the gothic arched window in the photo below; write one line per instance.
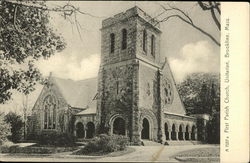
(153, 45)
(144, 42)
(112, 43)
(124, 39)
(49, 112)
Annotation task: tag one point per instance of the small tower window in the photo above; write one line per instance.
(112, 43)
(144, 43)
(153, 45)
(124, 39)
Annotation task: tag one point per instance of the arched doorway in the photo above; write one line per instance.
(119, 126)
(173, 133)
(180, 133)
(193, 133)
(80, 130)
(145, 129)
(187, 133)
(90, 130)
(166, 131)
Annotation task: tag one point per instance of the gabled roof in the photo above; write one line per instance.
(78, 94)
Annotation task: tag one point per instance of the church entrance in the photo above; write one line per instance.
(145, 129)
(90, 130)
(119, 126)
(80, 130)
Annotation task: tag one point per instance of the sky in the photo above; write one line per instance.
(186, 49)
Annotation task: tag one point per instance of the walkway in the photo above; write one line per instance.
(142, 153)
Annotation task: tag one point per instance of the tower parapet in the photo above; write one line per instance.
(132, 12)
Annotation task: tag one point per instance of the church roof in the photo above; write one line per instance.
(90, 110)
(78, 94)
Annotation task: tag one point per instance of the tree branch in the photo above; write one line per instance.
(211, 6)
(204, 6)
(185, 14)
(217, 6)
(196, 27)
(179, 10)
(214, 17)
(66, 9)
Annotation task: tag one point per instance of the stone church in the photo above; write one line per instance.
(134, 94)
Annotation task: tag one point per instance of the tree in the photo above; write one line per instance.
(213, 7)
(26, 36)
(16, 123)
(213, 129)
(200, 93)
(4, 129)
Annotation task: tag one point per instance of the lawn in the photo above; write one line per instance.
(209, 154)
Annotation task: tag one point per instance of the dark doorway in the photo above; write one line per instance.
(166, 131)
(90, 130)
(119, 126)
(173, 133)
(145, 129)
(80, 130)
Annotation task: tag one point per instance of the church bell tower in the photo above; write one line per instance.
(128, 76)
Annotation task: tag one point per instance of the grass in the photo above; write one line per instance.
(107, 154)
(209, 154)
(201, 152)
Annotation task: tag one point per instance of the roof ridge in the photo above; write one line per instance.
(73, 79)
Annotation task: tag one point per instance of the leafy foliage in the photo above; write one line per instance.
(200, 92)
(213, 129)
(105, 144)
(56, 139)
(5, 129)
(16, 123)
(25, 38)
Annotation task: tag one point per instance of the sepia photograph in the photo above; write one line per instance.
(110, 81)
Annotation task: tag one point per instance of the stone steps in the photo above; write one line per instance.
(150, 143)
(178, 142)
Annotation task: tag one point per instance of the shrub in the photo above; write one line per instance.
(16, 123)
(5, 129)
(56, 139)
(105, 144)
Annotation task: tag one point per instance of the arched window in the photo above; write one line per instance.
(49, 113)
(144, 42)
(112, 43)
(124, 39)
(153, 45)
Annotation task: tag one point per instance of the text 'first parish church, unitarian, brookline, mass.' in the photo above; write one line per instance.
(134, 94)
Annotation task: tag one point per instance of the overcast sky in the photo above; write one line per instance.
(187, 49)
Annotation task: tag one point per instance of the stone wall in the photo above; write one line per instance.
(63, 115)
(119, 54)
(146, 55)
(171, 102)
(117, 93)
(148, 97)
